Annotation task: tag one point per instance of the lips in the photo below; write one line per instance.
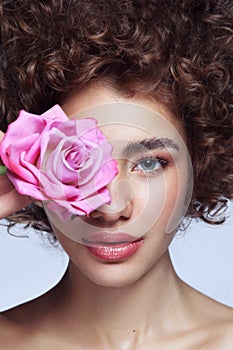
(112, 247)
(108, 238)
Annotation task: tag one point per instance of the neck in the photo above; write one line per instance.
(140, 306)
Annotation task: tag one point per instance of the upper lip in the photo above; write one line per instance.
(109, 238)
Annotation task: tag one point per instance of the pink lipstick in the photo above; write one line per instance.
(113, 247)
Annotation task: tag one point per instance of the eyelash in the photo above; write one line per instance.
(161, 162)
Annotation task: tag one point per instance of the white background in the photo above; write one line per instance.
(202, 256)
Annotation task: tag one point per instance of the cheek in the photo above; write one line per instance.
(177, 183)
(149, 201)
(172, 190)
(160, 201)
(71, 247)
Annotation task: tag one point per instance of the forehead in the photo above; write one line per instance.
(129, 121)
(123, 118)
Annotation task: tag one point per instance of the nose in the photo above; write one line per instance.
(121, 205)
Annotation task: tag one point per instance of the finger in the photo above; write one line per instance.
(11, 202)
(5, 185)
(1, 135)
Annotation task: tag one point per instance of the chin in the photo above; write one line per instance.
(121, 281)
(118, 282)
(111, 275)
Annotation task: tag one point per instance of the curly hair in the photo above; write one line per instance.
(177, 52)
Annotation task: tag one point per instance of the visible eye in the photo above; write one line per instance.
(150, 165)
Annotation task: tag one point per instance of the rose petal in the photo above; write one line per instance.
(68, 162)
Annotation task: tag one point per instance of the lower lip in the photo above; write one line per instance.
(116, 252)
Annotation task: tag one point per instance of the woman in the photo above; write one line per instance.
(157, 78)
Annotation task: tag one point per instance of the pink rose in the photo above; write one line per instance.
(65, 162)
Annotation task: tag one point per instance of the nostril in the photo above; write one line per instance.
(94, 214)
(123, 218)
(120, 207)
(111, 215)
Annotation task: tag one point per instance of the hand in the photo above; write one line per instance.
(10, 200)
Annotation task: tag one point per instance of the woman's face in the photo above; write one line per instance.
(119, 242)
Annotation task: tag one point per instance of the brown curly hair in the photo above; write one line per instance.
(177, 52)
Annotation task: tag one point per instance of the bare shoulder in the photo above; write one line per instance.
(16, 333)
(212, 331)
(17, 325)
(219, 325)
(10, 333)
(218, 336)
(212, 322)
(6, 326)
(225, 335)
(26, 326)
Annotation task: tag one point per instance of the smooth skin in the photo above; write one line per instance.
(138, 303)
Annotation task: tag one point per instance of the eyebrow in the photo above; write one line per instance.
(143, 145)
